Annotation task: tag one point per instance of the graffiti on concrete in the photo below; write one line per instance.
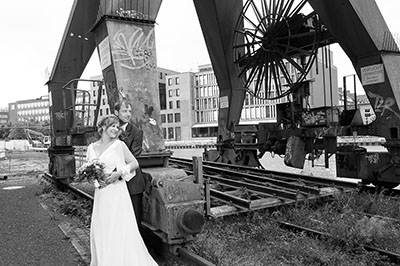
(314, 118)
(381, 104)
(373, 158)
(60, 115)
(134, 51)
(131, 14)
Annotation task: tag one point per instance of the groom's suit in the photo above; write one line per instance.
(133, 138)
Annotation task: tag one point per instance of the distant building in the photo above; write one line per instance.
(29, 110)
(177, 117)
(189, 101)
(3, 116)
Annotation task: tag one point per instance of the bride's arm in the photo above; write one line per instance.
(127, 172)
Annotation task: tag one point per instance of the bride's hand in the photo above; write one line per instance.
(113, 177)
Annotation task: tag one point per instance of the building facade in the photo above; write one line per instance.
(29, 110)
(177, 116)
(189, 101)
(3, 116)
(205, 95)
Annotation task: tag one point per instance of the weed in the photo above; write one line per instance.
(67, 203)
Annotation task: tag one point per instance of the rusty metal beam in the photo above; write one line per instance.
(218, 19)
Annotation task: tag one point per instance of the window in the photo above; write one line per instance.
(178, 104)
(104, 92)
(177, 80)
(177, 92)
(94, 93)
(163, 118)
(170, 133)
(170, 93)
(163, 96)
(171, 105)
(164, 131)
(101, 112)
(106, 111)
(160, 75)
(170, 118)
(178, 117)
(177, 133)
(104, 101)
(169, 81)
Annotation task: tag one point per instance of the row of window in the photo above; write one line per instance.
(171, 133)
(177, 104)
(206, 103)
(171, 93)
(32, 105)
(170, 118)
(204, 132)
(205, 79)
(254, 112)
(33, 112)
(37, 118)
(206, 116)
(259, 112)
(210, 91)
(103, 92)
(176, 81)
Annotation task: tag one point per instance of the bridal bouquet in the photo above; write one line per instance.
(92, 172)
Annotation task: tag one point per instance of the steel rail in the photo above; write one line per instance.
(188, 255)
(395, 257)
(257, 188)
(78, 192)
(276, 174)
(266, 180)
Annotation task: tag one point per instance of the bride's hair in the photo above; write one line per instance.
(106, 121)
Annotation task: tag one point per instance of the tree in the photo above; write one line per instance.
(17, 132)
(5, 130)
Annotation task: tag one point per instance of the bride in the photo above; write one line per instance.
(114, 235)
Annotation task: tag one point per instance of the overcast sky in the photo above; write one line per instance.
(31, 32)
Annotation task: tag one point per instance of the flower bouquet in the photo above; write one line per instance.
(92, 172)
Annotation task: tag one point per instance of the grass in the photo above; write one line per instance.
(66, 203)
(253, 239)
(345, 219)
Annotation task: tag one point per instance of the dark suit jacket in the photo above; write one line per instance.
(133, 138)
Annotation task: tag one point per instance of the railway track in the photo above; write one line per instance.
(235, 189)
(183, 254)
(394, 257)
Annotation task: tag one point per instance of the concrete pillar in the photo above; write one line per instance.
(127, 52)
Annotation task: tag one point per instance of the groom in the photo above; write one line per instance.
(133, 138)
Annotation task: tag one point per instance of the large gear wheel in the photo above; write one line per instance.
(280, 46)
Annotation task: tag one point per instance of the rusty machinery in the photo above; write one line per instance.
(267, 49)
(123, 32)
(264, 48)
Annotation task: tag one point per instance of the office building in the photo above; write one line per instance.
(3, 116)
(32, 110)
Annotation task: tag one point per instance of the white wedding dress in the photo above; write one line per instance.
(114, 236)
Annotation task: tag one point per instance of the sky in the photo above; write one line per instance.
(31, 32)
